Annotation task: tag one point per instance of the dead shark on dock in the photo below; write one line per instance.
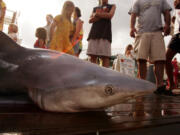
(59, 82)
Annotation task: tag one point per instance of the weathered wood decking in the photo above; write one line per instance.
(150, 115)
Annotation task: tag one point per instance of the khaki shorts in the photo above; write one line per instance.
(150, 46)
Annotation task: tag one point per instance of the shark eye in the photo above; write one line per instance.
(109, 90)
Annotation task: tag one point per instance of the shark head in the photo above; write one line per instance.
(106, 90)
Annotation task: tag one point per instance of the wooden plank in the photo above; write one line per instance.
(146, 114)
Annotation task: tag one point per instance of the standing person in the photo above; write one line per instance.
(2, 14)
(62, 30)
(41, 34)
(149, 38)
(100, 36)
(129, 51)
(173, 47)
(78, 35)
(13, 32)
(49, 20)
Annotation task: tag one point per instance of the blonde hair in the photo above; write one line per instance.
(14, 28)
(67, 5)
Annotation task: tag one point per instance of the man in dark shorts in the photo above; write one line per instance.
(173, 48)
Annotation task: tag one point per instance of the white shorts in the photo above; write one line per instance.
(150, 46)
(99, 47)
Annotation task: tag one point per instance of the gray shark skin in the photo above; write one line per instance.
(59, 82)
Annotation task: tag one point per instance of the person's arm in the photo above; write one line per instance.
(105, 15)
(132, 25)
(52, 29)
(93, 19)
(134, 12)
(79, 25)
(166, 8)
(167, 19)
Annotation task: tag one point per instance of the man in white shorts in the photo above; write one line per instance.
(148, 36)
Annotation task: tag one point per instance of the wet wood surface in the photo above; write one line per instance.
(150, 115)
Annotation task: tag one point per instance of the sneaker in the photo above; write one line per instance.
(169, 93)
(160, 90)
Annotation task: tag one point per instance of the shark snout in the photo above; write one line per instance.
(128, 84)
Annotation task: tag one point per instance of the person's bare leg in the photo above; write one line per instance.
(159, 72)
(169, 67)
(106, 62)
(93, 59)
(142, 69)
(77, 55)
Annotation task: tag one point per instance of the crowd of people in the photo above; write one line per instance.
(64, 35)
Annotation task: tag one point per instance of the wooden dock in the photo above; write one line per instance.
(150, 115)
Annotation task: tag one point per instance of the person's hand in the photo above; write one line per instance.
(97, 14)
(93, 15)
(94, 18)
(133, 32)
(167, 30)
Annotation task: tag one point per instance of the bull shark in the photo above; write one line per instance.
(59, 82)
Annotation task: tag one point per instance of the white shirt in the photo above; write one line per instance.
(48, 27)
(13, 36)
(177, 21)
(149, 14)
